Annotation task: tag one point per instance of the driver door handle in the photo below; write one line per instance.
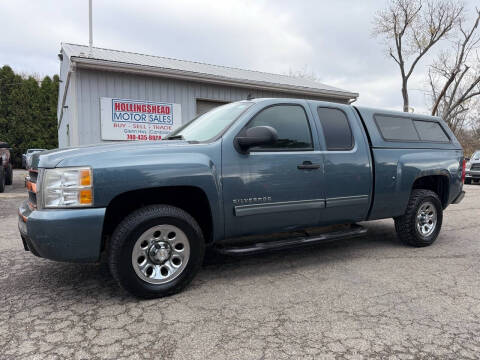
(308, 165)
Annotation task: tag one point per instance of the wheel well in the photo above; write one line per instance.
(191, 199)
(436, 183)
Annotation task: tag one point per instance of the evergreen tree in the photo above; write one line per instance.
(28, 112)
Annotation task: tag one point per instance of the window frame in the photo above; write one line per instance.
(412, 119)
(258, 150)
(324, 133)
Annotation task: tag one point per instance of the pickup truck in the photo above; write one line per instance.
(6, 172)
(246, 177)
(473, 168)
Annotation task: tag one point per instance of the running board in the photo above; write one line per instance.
(259, 247)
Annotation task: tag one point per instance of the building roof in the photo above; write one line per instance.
(116, 60)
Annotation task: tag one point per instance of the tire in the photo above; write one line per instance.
(9, 175)
(126, 245)
(468, 181)
(409, 229)
(2, 179)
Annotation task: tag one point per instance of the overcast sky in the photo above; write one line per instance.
(330, 38)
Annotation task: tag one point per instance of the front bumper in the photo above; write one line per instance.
(73, 235)
(472, 174)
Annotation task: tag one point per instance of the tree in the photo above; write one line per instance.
(28, 112)
(410, 28)
(454, 78)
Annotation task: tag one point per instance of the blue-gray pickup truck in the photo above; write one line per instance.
(246, 177)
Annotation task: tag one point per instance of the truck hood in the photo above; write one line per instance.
(80, 155)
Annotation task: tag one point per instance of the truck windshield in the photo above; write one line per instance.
(210, 124)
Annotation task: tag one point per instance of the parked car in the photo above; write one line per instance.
(244, 178)
(6, 172)
(27, 157)
(473, 168)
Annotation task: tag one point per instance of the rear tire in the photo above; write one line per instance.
(2, 179)
(9, 175)
(422, 221)
(468, 181)
(162, 269)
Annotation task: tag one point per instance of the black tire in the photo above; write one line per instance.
(2, 179)
(406, 225)
(131, 228)
(468, 181)
(9, 175)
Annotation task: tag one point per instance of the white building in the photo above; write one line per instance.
(115, 95)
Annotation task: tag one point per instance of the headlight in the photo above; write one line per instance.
(468, 166)
(67, 187)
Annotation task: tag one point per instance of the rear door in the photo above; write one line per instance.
(347, 163)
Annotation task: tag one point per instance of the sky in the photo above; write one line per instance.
(331, 39)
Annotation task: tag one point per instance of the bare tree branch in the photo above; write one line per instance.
(414, 27)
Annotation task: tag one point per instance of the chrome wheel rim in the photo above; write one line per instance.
(426, 220)
(160, 254)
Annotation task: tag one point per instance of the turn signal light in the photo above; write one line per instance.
(85, 178)
(85, 197)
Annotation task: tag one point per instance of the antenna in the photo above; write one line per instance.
(90, 31)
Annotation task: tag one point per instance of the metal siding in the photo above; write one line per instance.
(91, 85)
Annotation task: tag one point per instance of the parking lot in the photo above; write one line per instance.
(358, 298)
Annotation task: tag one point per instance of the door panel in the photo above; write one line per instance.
(348, 172)
(270, 189)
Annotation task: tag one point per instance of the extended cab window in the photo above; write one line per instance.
(291, 124)
(336, 129)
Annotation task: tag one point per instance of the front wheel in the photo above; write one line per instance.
(422, 221)
(156, 251)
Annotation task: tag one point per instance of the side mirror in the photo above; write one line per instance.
(256, 136)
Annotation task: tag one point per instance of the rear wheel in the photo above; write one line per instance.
(468, 181)
(9, 175)
(422, 221)
(156, 251)
(2, 179)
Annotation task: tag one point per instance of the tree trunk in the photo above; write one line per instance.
(405, 96)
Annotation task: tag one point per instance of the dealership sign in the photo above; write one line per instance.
(138, 120)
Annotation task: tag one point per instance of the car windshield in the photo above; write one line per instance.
(210, 124)
(476, 155)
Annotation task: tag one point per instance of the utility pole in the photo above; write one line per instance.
(90, 42)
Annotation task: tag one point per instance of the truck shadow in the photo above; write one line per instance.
(93, 281)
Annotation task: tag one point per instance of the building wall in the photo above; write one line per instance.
(91, 85)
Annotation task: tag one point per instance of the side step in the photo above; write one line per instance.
(354, 230)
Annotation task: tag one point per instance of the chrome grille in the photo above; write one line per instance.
(475, 166)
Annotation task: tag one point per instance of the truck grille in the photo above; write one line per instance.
(475, 166)
(32, 188)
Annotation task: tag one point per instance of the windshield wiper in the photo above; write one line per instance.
(175, 137)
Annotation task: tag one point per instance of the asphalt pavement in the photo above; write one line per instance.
(370, 297)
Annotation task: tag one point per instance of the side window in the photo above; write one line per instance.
(430, 131)
(336, 129)
(291, 124)
(396, 128)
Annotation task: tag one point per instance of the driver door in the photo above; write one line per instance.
(277, 187)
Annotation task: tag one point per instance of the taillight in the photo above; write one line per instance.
(464, 164)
